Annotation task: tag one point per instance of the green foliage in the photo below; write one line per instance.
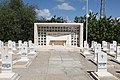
(107, 29)
(54, 19)
(16, 20)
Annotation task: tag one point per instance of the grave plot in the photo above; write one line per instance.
(86, 48)
(112, 49)
(106, 69)
(24, 61)
(104, 46)
(15, 58)
(92, 51)
(31, 49)
(86, 52)
(19, 46)
(102, 72)
(116, 59)
(118, 54)
(97, 49)
(7, 66)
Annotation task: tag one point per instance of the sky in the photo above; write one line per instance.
(70, 8)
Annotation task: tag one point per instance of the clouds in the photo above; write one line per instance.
(65, 6)
(60, 0)
(44, 13)
(84, 7)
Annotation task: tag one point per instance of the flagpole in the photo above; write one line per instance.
(86, 20)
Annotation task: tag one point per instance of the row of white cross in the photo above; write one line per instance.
(23, 48)
(100, 53)
(110, 48)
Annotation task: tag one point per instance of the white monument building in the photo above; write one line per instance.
(61, 34)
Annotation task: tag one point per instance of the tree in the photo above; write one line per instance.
(16, 20)
(107, 29)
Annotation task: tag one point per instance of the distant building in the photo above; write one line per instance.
(60, 34)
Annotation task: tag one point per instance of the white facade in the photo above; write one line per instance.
(66, 34)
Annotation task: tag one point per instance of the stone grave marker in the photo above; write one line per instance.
(92, 44)
(115, 45)
(118, 54)
(10, 47)
(111, 51)
(104, 46)
(102, 65)
(31, 48)
(97, 50)
(24, 55)
(0, 46)
(6, 70)
(6, 60)
(29, 43)
(2, 43)
(19, 46)
(86, 48)
(14, 45)
(102, 62)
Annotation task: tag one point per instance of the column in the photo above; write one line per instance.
(81, 35)
(35, 34)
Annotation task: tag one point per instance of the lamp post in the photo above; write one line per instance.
(86, 20)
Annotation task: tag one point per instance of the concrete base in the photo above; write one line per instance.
(32, 52)
(11, 52)
(23, 60)
(95, 59)
(86, 52)
(112, 53)
(103, 74)
(118, 60)
(14, 49)
(9, 75)
(20, 63)
(105, 49)
(19, 52)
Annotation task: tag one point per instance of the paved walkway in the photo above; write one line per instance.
(64, 64)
